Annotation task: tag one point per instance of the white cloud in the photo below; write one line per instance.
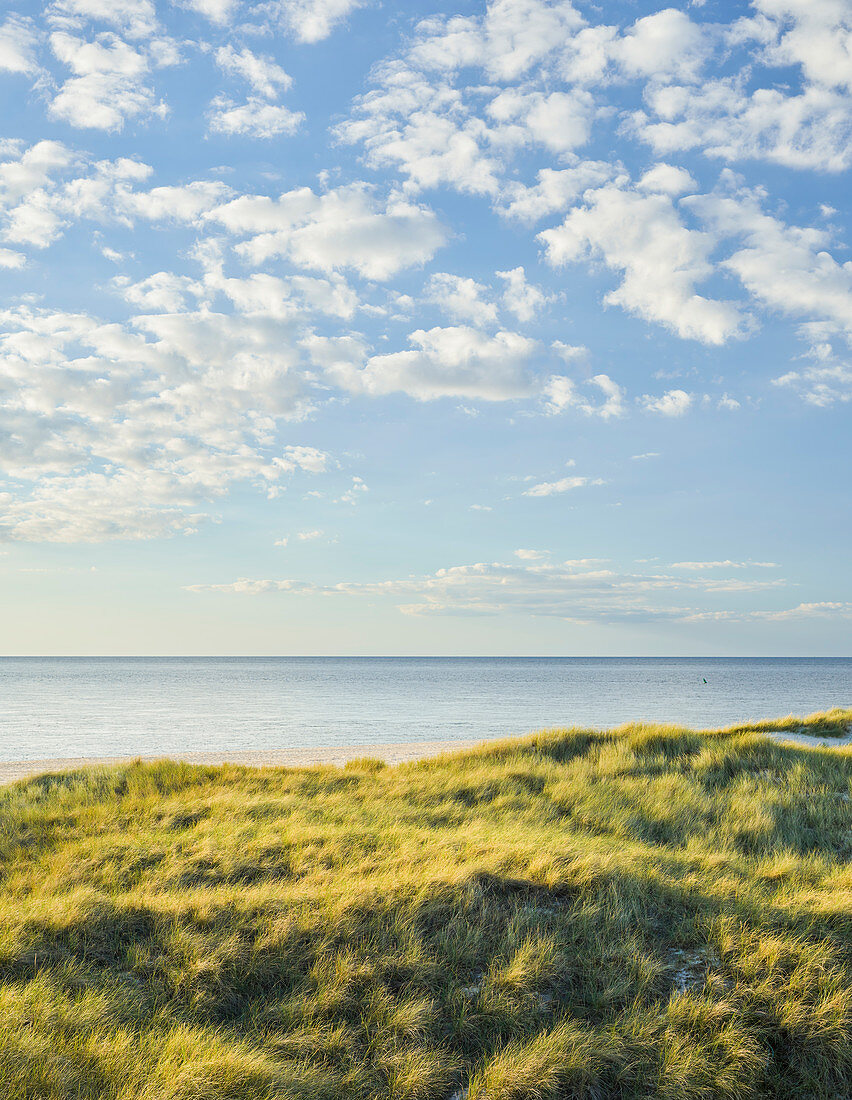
(668, 179)
(309, 536)
(507, 40)
(180, 203)
(563, 485)
(261, 295)
(263, 74)
(10, 259)
(814, 34)
(521, 298)
(461, 298)
(457, 361)
(312, 20)
(429, 119)
(31, 168)
(555, 191)
(821, 384)
(111, 431)
(134, 18)
(579, 591)
(662, 47)
(671, 403)
(17, 46)
(354, 493)
(822, 610)
(700, 565)
(785, 267)
(561, 393)
(811, 129)
(254, 118)
(162, 292)
(662, 261)
(109, 83)
(666, 45)
(220, 12)
(343, 228)
(559, 121)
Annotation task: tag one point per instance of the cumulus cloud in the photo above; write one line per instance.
(671, 403)
(220, 12)
(17, 46)
(312, 20)
(265, 76)
(134, 18)
(520, 297)
(660, 48)
(787, 268)
(458, 361)
(109, 85)
(254, 118)
(662, 260)
(344, 228)
(668, 179)
(461, 298)
(562, 393)
(162, 292)
(809, 130)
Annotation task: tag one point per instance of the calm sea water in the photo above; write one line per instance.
(121, 706)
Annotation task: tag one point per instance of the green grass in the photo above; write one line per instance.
(645, 912)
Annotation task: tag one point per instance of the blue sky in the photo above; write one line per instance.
(350, 327)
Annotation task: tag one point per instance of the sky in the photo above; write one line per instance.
(359, 327)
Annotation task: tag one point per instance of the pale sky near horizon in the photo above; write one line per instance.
(346, 326)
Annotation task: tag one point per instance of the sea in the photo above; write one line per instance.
(122, 706)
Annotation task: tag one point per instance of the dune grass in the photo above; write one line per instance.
(645, 912)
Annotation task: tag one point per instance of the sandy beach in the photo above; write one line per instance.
(12, 770)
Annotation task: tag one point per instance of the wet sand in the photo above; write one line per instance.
(12, 770)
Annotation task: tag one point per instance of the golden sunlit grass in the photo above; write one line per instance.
(645, 912)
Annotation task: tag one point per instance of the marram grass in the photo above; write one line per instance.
(645, 912)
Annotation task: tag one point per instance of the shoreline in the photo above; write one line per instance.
(397, 753)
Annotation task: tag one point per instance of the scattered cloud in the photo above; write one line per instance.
(563, 485)
(662, 261)
(312, 20)
(255, 118)
(579, 591)
(671, 403)
(263, 74)
(460, 298)
(458, 361)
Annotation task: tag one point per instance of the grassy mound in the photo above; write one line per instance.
(645, 912)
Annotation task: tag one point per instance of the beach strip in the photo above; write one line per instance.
(12, 770)
(338, 755)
